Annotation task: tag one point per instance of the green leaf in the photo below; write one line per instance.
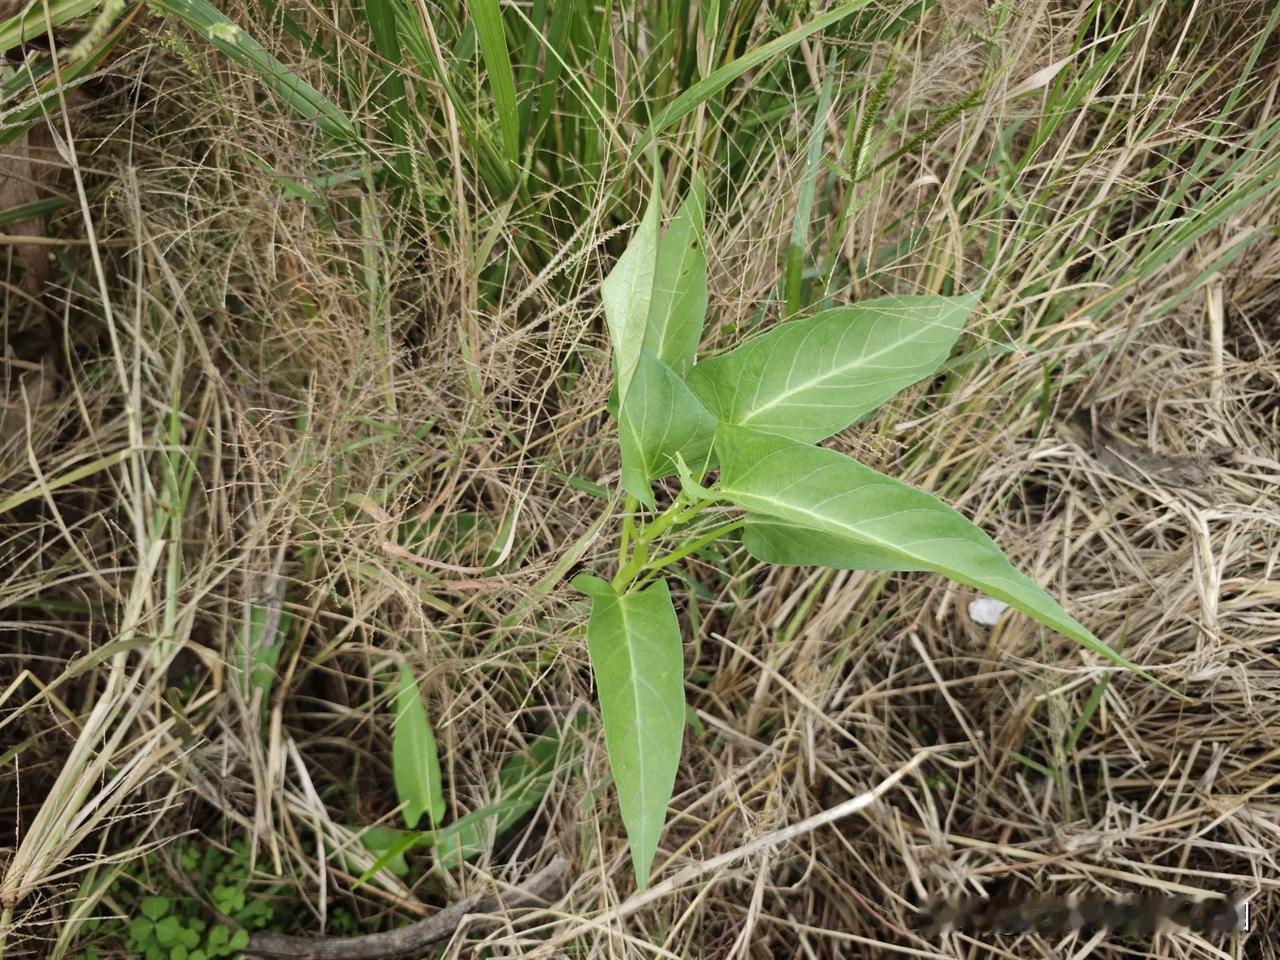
(487, 16)
(837, 503)
(35, 20)
(789, 544)
(808, 379)
(167, 931)
(214, 26)
(522, 783)
(591, 585)
(794, 276)
(444, 535)
(414, 761)
(628, 292)
(703, 90)
(153, 908)
(660, 417)
(692, 489)
(228, 898)
(381, 15)
(258, 649)
(679, 303)
(389, 845)
(638, 662)
(141, 930)
(36, 208)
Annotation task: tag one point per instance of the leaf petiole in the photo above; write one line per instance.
(676, 555)
(628, 528)
(629, 570)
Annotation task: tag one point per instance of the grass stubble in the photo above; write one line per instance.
(372, 419)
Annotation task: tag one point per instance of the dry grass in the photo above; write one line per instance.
(323, 385)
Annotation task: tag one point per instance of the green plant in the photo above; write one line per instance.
(756, 413)
(521, 783)
(160, 933)
(174, 926)
(415, 761)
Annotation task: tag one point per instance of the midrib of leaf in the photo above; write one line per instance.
(633, 676)
(826, 521)
(634, 424)
(787, 394)
(632, 292)
(665, 329)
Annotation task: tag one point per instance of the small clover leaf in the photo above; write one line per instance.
(167, 931)
(218, 937)
(141, 930)
(153, 908)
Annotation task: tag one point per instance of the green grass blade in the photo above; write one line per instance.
(15, 31)
(522, 783)
(19, 120)
(36, 208)
(381, 15)
(36, 490)
(214, 26)
(487, 16)
(527, 72)
(804, 204)
(417, 42)
(415, 763)
(709, 86)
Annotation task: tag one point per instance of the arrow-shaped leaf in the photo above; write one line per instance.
(679, 303)
(842, 508)
(627, 293)
(638, 662)
(808, 379)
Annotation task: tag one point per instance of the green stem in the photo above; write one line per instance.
(628, 571)
(628, 529)
(697, 545)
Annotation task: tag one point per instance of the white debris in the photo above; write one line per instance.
(986, 611)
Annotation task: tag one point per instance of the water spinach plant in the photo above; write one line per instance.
(754, 417)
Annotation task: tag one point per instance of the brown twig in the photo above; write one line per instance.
(414, 937)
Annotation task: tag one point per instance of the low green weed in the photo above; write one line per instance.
(175, 925)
